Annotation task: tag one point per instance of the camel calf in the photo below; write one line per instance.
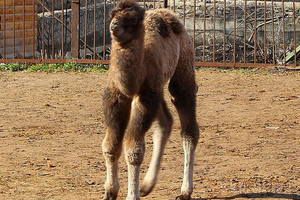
(149, 50)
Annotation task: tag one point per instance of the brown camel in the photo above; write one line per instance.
(149, 49)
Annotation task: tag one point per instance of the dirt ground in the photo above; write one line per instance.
(51, 129)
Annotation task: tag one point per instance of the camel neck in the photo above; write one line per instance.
(129, 55)
(126, 69)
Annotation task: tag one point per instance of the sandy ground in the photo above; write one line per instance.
(51, 128)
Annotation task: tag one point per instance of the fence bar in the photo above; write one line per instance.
(85, 26)
(33, 29)
(184, 5)
(52, 29)
(94, 26)
(14, 27)
(204, 31)
(214, 33)
(273, 33)
(24, 28)
(255, 31)
(75, 28)
(66, 26)
(245, 29)
(265, 31)
(62, 30)
(43, 31)
(4, 28)
(165, 3)
(283, 31)
(295, 41)
(174, 5)
(224, 37)
(194, 24)
(234, 39)
(104, 31)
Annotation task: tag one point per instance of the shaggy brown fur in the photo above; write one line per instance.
(148, 50)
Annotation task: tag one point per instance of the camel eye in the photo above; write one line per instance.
(130, 22)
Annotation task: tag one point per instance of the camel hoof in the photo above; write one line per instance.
(146, 189)
(109, 196)
(132, 198)
(183, 197)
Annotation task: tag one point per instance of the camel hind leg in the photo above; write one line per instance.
(183, 88)
(160, 137)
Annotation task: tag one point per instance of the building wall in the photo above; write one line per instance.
(17, 28)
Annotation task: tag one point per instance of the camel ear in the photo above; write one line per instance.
(141, 13)
(113, 13)
(129, 5)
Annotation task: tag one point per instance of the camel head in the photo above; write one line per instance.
(126, 21)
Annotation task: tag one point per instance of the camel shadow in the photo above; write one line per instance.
(257, 195)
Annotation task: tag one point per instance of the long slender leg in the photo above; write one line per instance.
(116, 113)
(144, 110)
(160, 137)
(183, 88)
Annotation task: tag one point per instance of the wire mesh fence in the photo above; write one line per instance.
(225, 32)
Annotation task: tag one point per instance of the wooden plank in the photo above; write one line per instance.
(18, 42)
(18, 50)
(16, 3)
(18, 17)
(19, 54)
(17, 9)
(19, 25)
(17, 34)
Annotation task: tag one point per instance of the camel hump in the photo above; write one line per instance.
(164, 21)
(171, 19)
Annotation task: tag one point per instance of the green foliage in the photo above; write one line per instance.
(50, 68)
(12, 67)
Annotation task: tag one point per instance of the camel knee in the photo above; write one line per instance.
(112, 147)
(110, 155)
(135, 154)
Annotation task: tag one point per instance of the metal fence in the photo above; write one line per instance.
(226, 33)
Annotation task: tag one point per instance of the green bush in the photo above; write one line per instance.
(12, 67)
(66, 67)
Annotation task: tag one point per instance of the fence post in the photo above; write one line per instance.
(75, 28)
(165, 3)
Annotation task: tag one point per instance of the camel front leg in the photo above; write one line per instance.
(144, 109)
(116, 113)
